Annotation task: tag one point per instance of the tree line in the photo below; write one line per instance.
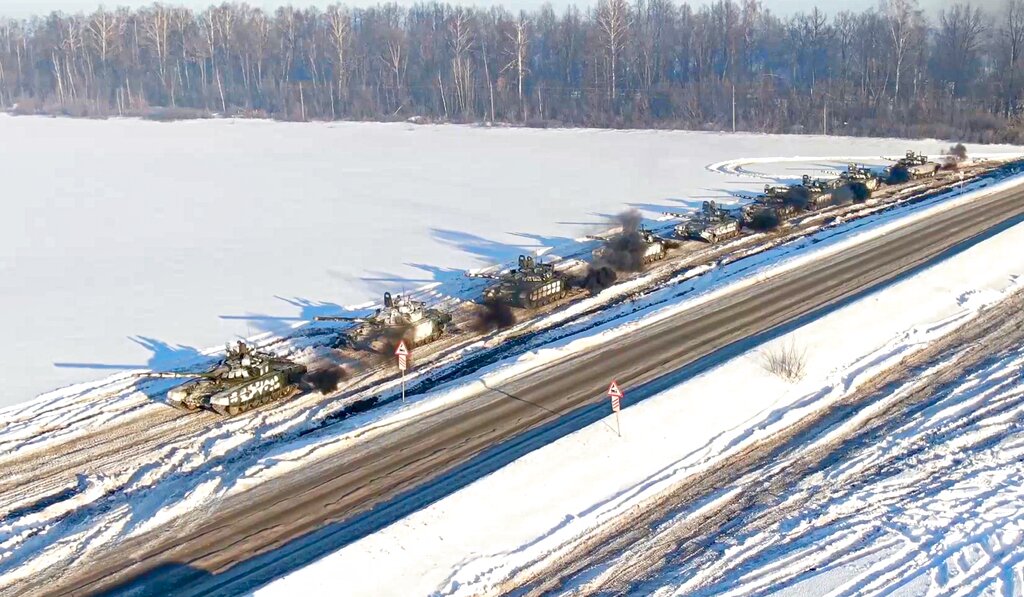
(892, 70)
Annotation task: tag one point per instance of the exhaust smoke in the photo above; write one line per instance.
(597, 278)
(624, 252)
(324, 376)
(492, 316)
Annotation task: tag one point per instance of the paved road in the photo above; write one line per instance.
(217, 553)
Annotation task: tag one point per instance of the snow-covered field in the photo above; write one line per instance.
(937, 528)
(189, 464)
(129, 244)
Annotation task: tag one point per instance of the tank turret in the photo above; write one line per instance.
(710, 224)
(911, 166)
(243, 380)
(860, 174)
(531, 285)
(399, 318)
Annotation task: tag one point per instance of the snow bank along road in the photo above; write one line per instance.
(910, 483)
(254, 535)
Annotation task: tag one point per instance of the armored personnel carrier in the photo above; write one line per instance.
(401, 317)
(711, 224)
(532, 285)
(638, 245)
(243, 380)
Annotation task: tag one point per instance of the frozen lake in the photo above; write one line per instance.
(129, 244)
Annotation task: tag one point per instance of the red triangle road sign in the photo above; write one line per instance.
(402, 351)
(614, 391)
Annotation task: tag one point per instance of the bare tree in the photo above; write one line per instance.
(613, 20)
(460, 40)
(903, 18)
(959, 38)
(518, 39)
(1012, 40)
(340, 24)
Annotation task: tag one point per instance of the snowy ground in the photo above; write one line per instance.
(189, 463)
(949, 525)
(131, 244)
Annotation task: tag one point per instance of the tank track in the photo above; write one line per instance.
(237, 409)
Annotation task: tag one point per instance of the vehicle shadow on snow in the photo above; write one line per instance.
(307, 310)
(485, 250)
(164, 355)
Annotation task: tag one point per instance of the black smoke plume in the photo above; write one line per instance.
(958, 151)
(763, 220)
(324, 376)
(597, 278)
(854, 192)
(953, 156)
(624, 252)
(492, 316)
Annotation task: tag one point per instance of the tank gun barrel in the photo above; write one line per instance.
(337, 318)
(171, 375)
(483, 276)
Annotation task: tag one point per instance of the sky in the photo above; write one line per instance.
(24, 8)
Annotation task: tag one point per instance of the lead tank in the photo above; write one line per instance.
(243, 380)
(401, 317)
(711, 224)
(532, 285)
(916, 165)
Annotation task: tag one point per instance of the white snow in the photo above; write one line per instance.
(124, 242)
(531, 511)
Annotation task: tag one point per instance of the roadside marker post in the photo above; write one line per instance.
(403, 363)
(616, 395)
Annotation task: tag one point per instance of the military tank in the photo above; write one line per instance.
(912, 166)
(711, 224)
(401, 317)
(775, 205)
(653, 248)
(817, 192)
(243, 380)
(855, 174)
(532, 285)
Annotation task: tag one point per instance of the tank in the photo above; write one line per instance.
(776, 204)
(531, 285)
(654, 248)
(711, 224)
(916, 165)
(859, 174)
(401, 317)
(243, 380)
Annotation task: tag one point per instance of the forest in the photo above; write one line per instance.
(893, 70)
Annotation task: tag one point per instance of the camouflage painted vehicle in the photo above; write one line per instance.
(532, 285)
(401, 317)
(915, 165)
(711, 224)
(818, 193)
(862, 175)
(776, 203)
(243, 380)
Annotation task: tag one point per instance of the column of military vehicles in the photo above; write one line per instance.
(247, 378)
